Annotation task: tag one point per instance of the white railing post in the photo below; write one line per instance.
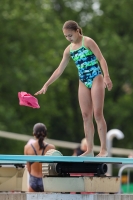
(110, 135)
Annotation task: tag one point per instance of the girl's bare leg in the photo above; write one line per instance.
(85, 103)
(97, 94)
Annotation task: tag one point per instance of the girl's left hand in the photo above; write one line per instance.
(108, 83)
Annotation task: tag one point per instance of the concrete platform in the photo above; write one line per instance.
(82, 184)
(57, 196)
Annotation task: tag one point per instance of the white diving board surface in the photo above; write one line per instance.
(22, 159)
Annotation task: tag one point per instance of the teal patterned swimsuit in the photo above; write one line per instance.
(87, 64)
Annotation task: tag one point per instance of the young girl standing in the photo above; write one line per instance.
(92, 83)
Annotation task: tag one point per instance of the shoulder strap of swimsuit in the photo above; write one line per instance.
(44, 149)
(84, 45)
(34, 149)
(83, 41)
(71, 47)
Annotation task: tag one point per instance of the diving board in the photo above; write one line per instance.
(10, 162)
(54, 159)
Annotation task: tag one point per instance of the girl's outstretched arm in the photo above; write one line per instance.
(57, 73)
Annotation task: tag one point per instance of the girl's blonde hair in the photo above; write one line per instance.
(84, 144)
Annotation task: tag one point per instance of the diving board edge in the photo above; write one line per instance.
(55, 159)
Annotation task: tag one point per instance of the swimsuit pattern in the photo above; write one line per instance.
(86, 63)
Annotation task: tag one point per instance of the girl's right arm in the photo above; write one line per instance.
(57, 73)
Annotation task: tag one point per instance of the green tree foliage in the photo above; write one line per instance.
(31, 47)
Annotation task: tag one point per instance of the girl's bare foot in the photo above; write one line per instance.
(88, 154)
(103, 154)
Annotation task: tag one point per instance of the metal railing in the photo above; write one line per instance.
(129, 167)
(62, 144)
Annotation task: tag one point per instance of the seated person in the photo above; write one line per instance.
(81, 149)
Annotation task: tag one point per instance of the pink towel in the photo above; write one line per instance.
(26, 99)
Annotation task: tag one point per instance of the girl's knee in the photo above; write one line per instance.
(86, 116)
(98, 116)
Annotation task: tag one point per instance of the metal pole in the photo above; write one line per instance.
(120, 173)
(110, 135)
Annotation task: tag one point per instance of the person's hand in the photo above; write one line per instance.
(42, 91)
(108, 82)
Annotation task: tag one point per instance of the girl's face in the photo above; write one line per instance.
(71, 35)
